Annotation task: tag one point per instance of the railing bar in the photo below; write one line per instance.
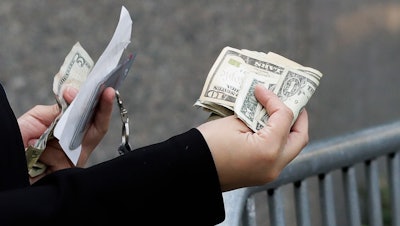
(276, 208)
(394, 186)
(374, 195)
(250, 212)
(325, 156)
(339, 152)
(302, 204)
(327, 201)
(351, 196)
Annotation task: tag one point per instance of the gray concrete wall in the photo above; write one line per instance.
(354, 43)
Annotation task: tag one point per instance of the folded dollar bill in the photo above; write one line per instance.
(73, 72)
(229, 87)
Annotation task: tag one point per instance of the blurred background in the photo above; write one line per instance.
(355, 44)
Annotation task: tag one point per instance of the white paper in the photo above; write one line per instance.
(110, 58)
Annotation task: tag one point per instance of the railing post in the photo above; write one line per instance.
(394, 187)
(327, 202)
(302, 203)
(374, 194)
(351, 196)
(276, 208)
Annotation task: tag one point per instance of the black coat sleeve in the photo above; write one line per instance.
(13, 168)
(173, 182)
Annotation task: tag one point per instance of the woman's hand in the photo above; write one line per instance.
(244, 158)
(35, 121)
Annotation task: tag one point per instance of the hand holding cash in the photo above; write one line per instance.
(80, 72)
(229, 87)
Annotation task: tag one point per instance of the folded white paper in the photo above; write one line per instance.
(69, 124)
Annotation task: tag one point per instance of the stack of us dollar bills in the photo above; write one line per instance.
(230, 84)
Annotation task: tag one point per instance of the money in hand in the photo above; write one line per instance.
(229, 87)
(73, 73)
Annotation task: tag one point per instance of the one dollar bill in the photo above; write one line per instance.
(229, 87)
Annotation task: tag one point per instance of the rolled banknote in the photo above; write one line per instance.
(246, 106)
(229, 87)
(230, 68)
(73, 72)
(294, 89)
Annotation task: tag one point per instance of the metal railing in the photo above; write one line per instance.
(357, 183)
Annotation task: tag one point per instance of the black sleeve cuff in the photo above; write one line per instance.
(171, 182)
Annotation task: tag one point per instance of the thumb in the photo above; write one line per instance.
(70, 93)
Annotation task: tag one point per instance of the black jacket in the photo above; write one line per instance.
(174, 182)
